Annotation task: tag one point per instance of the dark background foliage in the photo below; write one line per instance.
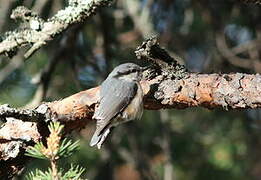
(210, 35)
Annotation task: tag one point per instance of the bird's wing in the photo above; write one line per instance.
(115, 96)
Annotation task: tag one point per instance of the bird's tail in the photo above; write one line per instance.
(95, 139)
(98, 139)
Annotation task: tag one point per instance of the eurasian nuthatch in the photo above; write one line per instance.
(120, 100)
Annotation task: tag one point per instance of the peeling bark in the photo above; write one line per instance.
(228, 91)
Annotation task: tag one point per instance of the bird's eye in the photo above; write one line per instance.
(127, 72)
(133, 70)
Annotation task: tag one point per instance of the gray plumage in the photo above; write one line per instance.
(117, 92)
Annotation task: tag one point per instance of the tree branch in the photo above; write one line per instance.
(24, 115)
(231, 54)
(40, 32)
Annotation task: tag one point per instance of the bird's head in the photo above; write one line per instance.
(127, 71)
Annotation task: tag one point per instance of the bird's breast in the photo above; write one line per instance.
(135, 109)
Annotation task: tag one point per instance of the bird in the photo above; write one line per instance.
(121, 100)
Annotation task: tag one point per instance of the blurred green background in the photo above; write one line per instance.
(219, 36)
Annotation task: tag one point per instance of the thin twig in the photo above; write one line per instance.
(40, 32)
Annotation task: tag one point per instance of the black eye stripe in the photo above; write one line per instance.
(128, 71)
